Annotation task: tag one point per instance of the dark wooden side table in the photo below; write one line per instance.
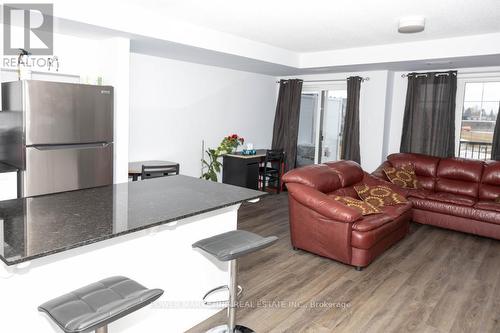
(135, 168)
(242, 170)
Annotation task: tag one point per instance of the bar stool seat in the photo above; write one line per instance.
(230, 246)
(95, 306)
(233, 244)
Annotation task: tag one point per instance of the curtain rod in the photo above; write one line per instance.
(425, 74)
(337, 80)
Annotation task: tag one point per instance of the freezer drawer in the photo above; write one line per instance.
(62, 113)
(52, 169)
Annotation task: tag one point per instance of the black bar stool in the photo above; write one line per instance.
(230, 246)
(95, 306)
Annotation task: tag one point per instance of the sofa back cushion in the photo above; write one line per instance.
(459, 176)
(425, 167)
(349, 172)
(317, 176)
(489, 189)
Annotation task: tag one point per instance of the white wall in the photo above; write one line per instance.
(78, 57)
(175, 105)
(115, 69)
(372, 110)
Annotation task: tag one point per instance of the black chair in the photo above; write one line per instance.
(272, 169)
(155, 171)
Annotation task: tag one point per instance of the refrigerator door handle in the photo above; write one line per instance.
(67, 167)
(72, 146)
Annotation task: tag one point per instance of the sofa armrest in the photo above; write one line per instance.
(322, 203)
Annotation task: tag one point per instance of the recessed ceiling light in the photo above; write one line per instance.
(411, 24)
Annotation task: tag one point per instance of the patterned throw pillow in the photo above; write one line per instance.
(364, 208)
(379, 195)
(404, 176)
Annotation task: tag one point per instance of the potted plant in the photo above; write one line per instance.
(213, 166)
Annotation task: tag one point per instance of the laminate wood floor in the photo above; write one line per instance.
(434, 280)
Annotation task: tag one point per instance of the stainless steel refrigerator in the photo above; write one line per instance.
(60, 135)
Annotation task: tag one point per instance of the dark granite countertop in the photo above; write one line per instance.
(7, 168)
(44, 225)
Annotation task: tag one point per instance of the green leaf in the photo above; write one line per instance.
(213, 176)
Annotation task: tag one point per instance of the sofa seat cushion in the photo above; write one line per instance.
(396, 211)
(488, 205)
(456, 210)
(456, 199)
(371, 222)
(419, 193)
(372, 229)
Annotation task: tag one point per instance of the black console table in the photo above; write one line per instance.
(242, 170)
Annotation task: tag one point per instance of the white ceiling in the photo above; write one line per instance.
(314, 36)
(319, 25)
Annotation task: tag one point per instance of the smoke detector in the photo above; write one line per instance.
(411, 24)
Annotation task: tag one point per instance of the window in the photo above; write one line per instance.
(479, 112)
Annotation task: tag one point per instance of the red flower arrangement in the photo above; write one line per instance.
(227, 146)
(232, 141)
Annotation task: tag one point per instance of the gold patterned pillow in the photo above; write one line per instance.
(404, 176)
(379, 195)
(363, 207)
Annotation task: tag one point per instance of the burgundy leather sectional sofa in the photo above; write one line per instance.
(324, 226)
(457, 194)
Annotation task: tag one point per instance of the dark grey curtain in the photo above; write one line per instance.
(429, 118)
(350, 134)
(495, 148)
(286, 120)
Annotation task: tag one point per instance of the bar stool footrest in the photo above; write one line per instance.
(216, 290)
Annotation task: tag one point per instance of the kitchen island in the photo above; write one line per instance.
(55, 243)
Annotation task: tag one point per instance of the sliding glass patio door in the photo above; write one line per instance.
(322, 112)
(308, 133)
